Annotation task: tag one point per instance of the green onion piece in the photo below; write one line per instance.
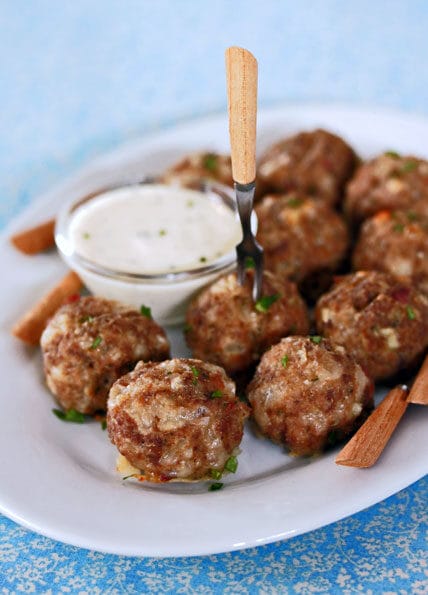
(392, 154)
(409, 166)
(294, 203)
(265, 302)
(210, 162)
(96, 342)
(411, 314)
(216, 473)
(216, 394)
(231, 464)
(86, 319)
(250, 263)
(214, 487)
(146, 311)
(316, 339)
(398, 227)
(71, 415)
(104, 424)
(284, 361)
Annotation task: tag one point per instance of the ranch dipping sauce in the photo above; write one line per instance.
(153, 229)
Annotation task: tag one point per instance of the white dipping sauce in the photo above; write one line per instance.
(153, 229)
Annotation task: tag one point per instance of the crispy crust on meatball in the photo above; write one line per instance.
(300, 236)
(306, 395)
(225, 327)
(179, 419)
(397, 243)
(191, 169)
(380, 320)
(387, 182)
(317, 163)
(90, 343)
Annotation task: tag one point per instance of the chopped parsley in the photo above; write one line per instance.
(398, 227)
(250, 263)
(210, 162)
(86, 235)
(411, 314)
(190, 203)
(231, 464)
(203, 259)
(216, 473)
(71, 415)
(216, 394)
(86, 319)
(294, 202)
(284, 361)
(96, 342)
(265, 302)
(162, 232)
(104, 424)
(214, 487)
(393, 154)
(146, 311)
(412, 216)
(409, 166)
(128, 476)
(188, 328)
(195, 373)
(316, 339)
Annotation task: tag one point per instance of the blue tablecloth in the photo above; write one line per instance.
(79, 78)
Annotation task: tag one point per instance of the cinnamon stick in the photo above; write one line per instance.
(419, 391)
(35, 239)
(31, 326)
(366, 446)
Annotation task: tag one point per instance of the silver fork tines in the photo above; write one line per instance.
(249, 252)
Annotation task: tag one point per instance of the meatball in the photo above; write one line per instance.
(380, 320)
(386, 182)
(395, 242)
(90, 343)
(300, 236)
(190, 170)
(176, 420)
(317, 163)
(225, 326)
(308, 393)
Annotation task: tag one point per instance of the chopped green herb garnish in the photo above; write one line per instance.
(294, 202)
(210, 162)
(162, 232)
(195, 373)
(250, 263)
(190, 203)
(392, 154)
(398, 227)
(411, 315)
(216, 394)
(316, 339)
(104, 424)
(214, 487)
(96, 342)
(146, 311)
(187, 328)
(86, 319)
(412, 216)
(71, 415)
(128, 476)
(215, 473)
(203, 259)
(409, 166)
(284, 361)
(265, 302)
(86, 235)
(231, 464)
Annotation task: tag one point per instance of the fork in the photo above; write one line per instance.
(241, 72)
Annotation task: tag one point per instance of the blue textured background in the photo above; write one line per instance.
(78, 78)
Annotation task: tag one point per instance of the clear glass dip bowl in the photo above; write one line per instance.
(167, 294)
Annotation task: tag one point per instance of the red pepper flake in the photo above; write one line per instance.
(72, 298)
(401, 294)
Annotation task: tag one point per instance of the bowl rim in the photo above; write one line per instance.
(215, 190)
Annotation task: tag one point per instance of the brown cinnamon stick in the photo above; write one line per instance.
(366, 446)
(419, 391)
(35, 239)
(30, 327)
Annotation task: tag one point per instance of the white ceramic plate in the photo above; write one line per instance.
(59, 479)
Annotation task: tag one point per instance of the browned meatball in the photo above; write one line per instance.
(317, 163)
(226, 327)
(196, 166)
(381, 321)
(179, 419)
(395, 242)
(386, 182)
(308, 393)
(300, 236)
(90, 343)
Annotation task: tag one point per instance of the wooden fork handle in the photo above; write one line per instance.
(241, 73)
